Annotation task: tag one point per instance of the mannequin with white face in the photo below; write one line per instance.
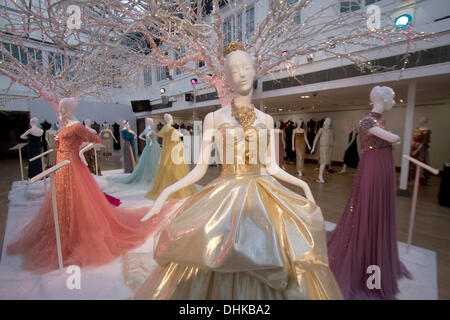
(354, 133)
(300, 148)
(34, 130)
(326, 137)
(382, 99)
(168, 121)
(67, 108)
(107, 136)
(149, 126)
(240, 72)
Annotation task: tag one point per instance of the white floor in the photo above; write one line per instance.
(107, 282)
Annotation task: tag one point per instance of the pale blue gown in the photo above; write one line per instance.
(145, 170)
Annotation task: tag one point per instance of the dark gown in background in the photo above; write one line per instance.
(289, 128)
(96, 127)
(310, 133)
(34, 149)
(116, 133)
(45, 126)
(351, 157)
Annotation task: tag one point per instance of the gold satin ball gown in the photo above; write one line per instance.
(169, 171)
(243, 236)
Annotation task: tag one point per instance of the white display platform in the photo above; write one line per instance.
(106, 282)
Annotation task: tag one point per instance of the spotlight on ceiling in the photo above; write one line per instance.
(162, 90)
(304, 97)
(403, 20)
(193, 81)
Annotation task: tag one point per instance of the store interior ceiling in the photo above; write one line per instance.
(431, 91)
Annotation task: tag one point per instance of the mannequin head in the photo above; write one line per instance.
(126, 125)
(34, 122)
(168, 119)
(87, 123)
(299, 123)
(382, 98)
(423, 121)
(327, 122)
(148, 122)
(67, 107)
(240, 72)
(105, 126)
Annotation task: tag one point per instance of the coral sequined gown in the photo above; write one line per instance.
(243, 236)
(93, 232)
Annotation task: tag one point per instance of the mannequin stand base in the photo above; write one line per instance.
(403, 193)
(320, 181)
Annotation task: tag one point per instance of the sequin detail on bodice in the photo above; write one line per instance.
(242, 150)
(70, 139)
(367, 140)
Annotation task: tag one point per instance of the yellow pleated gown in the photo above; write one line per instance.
(171, 167)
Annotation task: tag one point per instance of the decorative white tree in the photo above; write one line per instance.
(177, 34)
(29, 57)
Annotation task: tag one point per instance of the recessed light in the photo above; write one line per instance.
(304, 97)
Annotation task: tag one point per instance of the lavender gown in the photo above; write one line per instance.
(367, 231)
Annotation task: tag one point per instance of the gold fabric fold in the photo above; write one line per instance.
(243, 236)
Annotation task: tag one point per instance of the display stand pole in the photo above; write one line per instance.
(419, 166)
(19, 148)
(51, 172)
(42, 162)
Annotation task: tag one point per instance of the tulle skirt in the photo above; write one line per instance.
(146, 168)
(93, 232)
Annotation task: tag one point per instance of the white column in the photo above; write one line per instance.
(261, 106)
(407, 135)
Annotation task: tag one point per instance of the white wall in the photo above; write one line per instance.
(438, 116)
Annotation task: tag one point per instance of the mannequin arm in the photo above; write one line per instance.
(195, 175)
(25, 134)
(417, 150)
(277, 172)
(89, 136)
(384, 134)
(319, 133)
(307, 142)
(351, 140)
(112, 135)
(83, 150)
(144, 133)
(293, 139)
